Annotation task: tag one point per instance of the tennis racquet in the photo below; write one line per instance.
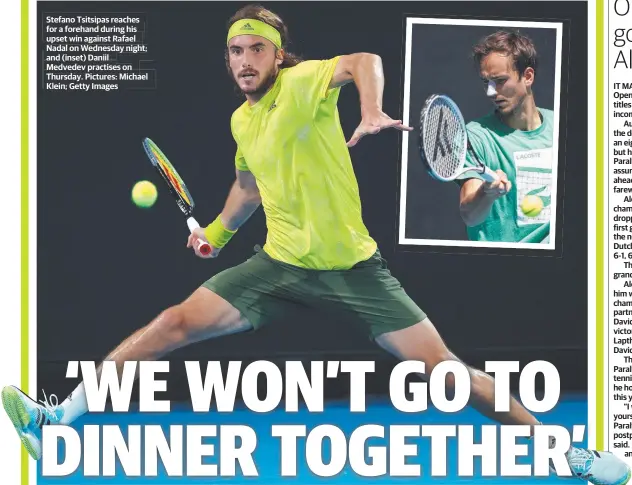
(176, 186)
(443, 141)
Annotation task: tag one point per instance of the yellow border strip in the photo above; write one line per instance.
(599, 407)
(24, 182)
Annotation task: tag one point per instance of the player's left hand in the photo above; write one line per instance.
(374, 122)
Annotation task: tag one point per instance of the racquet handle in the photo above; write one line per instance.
(203, 247)
(489, 176)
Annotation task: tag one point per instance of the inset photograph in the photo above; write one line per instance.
(482, 167)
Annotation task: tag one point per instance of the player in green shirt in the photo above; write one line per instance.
(293, 159)
(515, 141)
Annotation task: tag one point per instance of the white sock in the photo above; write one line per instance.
(75, 405)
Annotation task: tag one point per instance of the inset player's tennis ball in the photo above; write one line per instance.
(532, 205)
(144, 194)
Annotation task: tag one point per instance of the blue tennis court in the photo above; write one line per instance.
(571, 410)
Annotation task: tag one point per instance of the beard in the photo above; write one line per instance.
(263, 86)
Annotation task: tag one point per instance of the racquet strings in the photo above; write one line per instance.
(444, 139)
(169, 173)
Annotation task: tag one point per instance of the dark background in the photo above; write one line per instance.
(432, 207)
(106, 268)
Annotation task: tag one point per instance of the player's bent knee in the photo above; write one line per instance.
(199, 319)
(172, 324)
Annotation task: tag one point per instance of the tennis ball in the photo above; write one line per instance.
(144, 194)
(532, 205)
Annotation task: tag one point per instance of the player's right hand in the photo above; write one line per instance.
(498, 188)
(192, 242)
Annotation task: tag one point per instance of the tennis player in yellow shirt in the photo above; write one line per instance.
(292, 158)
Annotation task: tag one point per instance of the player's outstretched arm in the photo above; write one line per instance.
(477, 198)
(242, 201)
(366, 72)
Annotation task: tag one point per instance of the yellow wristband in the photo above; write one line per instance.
(217, 235)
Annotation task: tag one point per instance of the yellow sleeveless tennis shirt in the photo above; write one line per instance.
(292, 142)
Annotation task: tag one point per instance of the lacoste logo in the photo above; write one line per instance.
(247, 27)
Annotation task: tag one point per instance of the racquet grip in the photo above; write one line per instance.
(489, 176)
(203, 247)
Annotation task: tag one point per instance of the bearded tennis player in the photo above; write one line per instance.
(292, 158)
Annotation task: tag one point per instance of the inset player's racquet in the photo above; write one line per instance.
(443, 141)
(176, 186)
